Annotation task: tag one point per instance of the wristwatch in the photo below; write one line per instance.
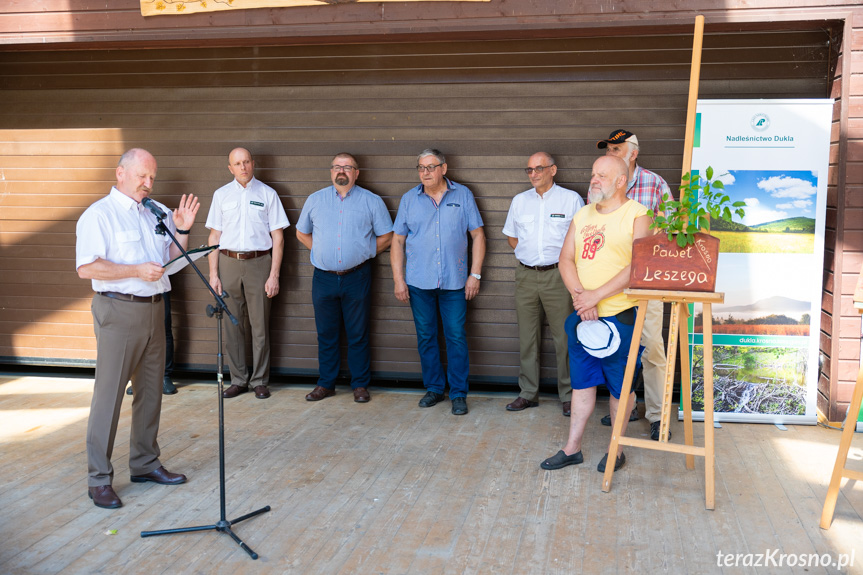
(477, 276)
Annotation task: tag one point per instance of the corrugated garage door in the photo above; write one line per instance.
(67, 116)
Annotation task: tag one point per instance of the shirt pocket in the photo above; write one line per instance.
(525, 225)
(129, 245)
(453, 219)
(257, 213)
(558, 228)
(231, 212)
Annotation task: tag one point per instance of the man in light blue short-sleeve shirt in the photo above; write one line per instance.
(431, 271)
(344, 226)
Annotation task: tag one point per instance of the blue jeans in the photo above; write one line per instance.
(343, 299)
(453, 311)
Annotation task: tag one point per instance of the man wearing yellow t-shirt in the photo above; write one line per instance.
(594, 264)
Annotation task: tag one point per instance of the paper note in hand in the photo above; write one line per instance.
(180, 262)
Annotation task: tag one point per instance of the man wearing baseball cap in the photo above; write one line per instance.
(595, 265)
(648, 189)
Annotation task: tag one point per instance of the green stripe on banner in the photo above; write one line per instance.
(696, 141)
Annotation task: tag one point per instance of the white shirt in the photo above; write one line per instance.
(120, 230)
(246, 216)
(540, 223)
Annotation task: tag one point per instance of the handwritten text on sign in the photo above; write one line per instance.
(658, 263)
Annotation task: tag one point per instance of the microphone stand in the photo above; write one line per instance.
(223, 525)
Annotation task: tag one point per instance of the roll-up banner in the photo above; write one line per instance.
(773, 155)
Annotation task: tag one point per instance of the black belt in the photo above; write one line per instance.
(540, 268)
(129, 297)
(243, 255)
(345, 272)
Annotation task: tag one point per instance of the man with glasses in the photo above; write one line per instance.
(344, 226)
(536, 224)
(647, 189)
(431, 229)
(247, 220)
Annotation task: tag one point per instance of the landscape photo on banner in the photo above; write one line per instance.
(773, 156)
(177, 7)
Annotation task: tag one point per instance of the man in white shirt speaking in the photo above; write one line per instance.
(120, 249)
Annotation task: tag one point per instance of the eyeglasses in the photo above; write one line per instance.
(537, 169)
(428, 169)
(343, 169)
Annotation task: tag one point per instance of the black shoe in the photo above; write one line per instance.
(621, 459)
(129, 390)
(168, 387)
(606, 421)
(459, 406)
(561, 459)
(431, 399)
(654, 431)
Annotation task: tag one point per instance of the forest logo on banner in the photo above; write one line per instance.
(161, 7)
(760, 122)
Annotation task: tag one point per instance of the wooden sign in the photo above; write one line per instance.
(658, 263)
(166, 7)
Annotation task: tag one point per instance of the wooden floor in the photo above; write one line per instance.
(387, 487)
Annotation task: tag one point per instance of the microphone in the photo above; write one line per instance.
(151, 205)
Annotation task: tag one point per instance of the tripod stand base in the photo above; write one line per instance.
(222, 526)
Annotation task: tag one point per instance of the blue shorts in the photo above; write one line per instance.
(589, 371)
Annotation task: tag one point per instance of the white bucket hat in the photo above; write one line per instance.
(598, 337)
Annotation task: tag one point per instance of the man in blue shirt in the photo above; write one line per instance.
(431, 229)
(344, 226)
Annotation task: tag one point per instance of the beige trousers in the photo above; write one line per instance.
(245, 281)
(653, 360)
(130, 343)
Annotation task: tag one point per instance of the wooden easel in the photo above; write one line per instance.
(679, 325)
(839, 470)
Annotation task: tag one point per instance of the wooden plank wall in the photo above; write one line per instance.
(46, 22)
(843, 362)
(67, 116)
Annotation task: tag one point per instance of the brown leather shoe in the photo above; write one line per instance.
(261, 392)
(104, 496)
(521, 404)
(567, 408)
(361, 395)
(319, 393)
(234, 391)
(161, 476)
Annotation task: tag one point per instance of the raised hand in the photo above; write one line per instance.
(184, 215)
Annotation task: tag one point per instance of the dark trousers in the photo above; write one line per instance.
(343, 300)
(169, 336)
